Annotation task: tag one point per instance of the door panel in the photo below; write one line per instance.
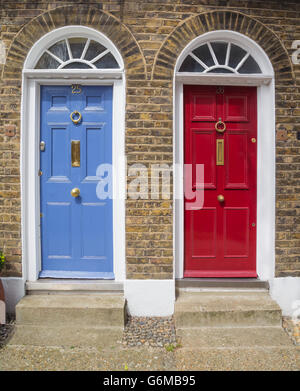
(76, 232)
(204, 243)
(236, 160)
(59, 158)
(236, 232)
(59, 241)
(91, 215)
(94, 145)
(204, 107)
(220, 239)
(203, 152)
(236, 108)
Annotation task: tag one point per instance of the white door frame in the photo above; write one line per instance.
(30, 150)
(265, 240)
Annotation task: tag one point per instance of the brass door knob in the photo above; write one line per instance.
(220, 198)
(75, 192)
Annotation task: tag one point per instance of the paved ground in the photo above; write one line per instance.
(292, 327)
(113, 358)
(150, 344)
(123, 357)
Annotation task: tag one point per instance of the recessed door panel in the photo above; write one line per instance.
(204, 226)
(236, 232)
(95, 150)
(59, 102)
(204, 152)
(203, 107)
(59, 229)
(236, 108)
(94, 102)
(237, 160)
(94, 235)
(60, 156)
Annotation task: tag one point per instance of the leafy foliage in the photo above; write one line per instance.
(2, 260)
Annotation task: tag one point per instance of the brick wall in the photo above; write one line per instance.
(150, 35)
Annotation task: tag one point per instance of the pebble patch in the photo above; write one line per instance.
(6, 331)
(147, 331)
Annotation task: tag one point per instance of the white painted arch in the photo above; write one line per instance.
(32, 79)
(265, 250)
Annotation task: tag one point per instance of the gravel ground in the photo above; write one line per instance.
(292, 328)
(6, 331)
(146, 331)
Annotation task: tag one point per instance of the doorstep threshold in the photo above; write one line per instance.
(60, 286)
(221, 283)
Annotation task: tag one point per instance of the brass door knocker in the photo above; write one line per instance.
(74, 114)
(220, 126)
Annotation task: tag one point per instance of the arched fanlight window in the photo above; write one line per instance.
(77, 53)
(220, 57)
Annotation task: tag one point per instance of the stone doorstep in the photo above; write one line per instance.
(82, 310)
(38, 335)
(223, 308)
(57, 320)
(69, 286)
(98, 320)
(233, 337)
(220, 283)
(220, 300)
(226, 319)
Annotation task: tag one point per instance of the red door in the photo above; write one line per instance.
(220, 238)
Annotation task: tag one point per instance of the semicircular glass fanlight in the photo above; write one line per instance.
(220, 57)
(77, 53)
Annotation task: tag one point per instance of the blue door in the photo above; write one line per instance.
(76, 226)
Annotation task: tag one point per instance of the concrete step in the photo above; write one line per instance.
(219, 283)
(79, 310)
(226, 308)
(77, 336)
(69, 320)
(233, 337)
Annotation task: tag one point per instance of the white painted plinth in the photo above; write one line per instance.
(286, 292)
(14, 289)
(150, 297)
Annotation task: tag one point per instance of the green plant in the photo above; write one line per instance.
(2, 260)
(170, 347)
